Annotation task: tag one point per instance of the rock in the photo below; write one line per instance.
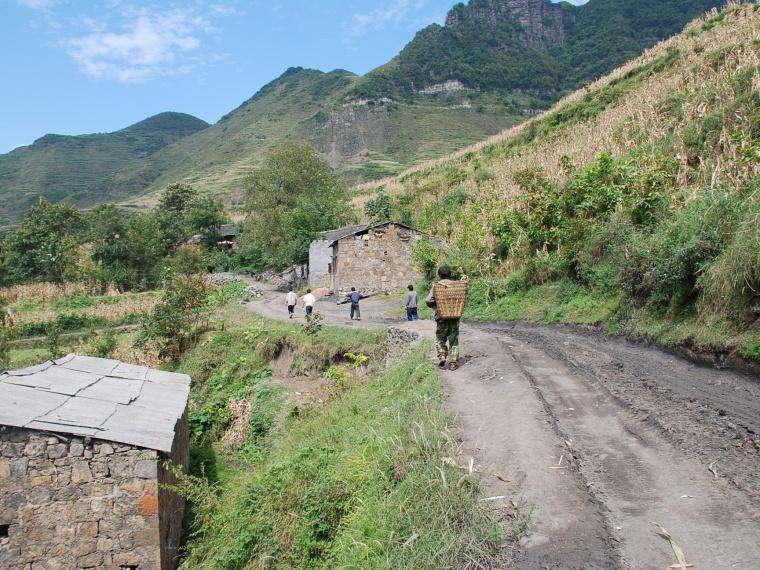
(146, 469)
(81, 473)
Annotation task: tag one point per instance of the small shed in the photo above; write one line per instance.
(225, 235)
(85, 445)
(370, 257)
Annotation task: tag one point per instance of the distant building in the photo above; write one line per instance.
(370, 257)
(225, 235)
(83, 447)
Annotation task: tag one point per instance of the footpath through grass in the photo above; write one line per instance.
(355, 478)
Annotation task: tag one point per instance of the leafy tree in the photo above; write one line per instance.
(178, 318)
(127, 249)
(205, 215)
(173, 211)
(294, 195)
(379, 209)
(45, 246)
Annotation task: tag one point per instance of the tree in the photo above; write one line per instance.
(45, 246)
(290, 198)
(178, 318)
(126, 248)
(173, 210)
(205, 215)
(379, 208)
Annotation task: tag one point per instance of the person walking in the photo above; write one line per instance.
(354, 297)
(290, 300)
(446, 330)
(411, 305)
(308, 302)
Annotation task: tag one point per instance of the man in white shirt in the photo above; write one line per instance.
(308, 303)
(290, 300)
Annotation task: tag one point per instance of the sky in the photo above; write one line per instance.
(86, 66)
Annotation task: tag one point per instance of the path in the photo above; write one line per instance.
(600, 438)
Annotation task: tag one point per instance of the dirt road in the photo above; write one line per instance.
(599, 438)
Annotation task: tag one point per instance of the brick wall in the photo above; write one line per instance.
(379, 260)
(68, 502)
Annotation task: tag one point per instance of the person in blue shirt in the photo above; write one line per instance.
(355, 297)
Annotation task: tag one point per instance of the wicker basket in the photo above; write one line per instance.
(450, 298)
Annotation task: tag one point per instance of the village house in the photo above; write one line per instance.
(85, 448)
(370, 257)
(224, 235)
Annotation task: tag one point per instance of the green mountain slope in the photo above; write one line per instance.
(632, 204)
(78, 169)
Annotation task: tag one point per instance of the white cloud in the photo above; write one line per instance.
(38, 4)
(145, 43)
(394, 12)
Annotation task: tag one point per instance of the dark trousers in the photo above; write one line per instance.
(309, 311)
(291, 309)
(447, 339)
(355, 311)
(411, 314)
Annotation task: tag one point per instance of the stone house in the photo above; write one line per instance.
(85, 445)
(370, 257)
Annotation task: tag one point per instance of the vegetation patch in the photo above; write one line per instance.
(360, 480)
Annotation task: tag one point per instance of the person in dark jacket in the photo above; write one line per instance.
(355, 297)
(446, 330)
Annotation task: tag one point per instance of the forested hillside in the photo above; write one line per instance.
(494, 64)
(529, 45)
(79, 169)
(633, 203)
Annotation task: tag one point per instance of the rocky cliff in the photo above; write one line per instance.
(539, 23)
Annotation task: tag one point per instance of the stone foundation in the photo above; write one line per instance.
(71, 502)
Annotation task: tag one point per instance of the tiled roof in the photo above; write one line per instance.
(102, 398)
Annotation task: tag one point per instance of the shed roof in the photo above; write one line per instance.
(335, 235)
(227, 230)
(98, 397)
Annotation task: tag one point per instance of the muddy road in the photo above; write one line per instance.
(596, 439)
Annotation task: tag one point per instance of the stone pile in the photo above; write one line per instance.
(399, 344)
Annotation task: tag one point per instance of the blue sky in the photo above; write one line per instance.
(83, 66)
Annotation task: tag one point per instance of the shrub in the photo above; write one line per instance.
(178, 318)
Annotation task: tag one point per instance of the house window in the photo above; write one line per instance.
(329, 268)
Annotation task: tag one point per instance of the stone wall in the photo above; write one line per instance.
(171, 507)
(320, 259)
(379, 260)
(72, 502)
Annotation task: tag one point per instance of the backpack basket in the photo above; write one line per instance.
(450, 298)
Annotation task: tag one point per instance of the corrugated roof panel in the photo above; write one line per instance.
(103, 398)
(20, 405)
(116, 390)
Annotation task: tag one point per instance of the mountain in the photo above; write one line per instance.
(78, 169)
(493, 64)
(529, 45)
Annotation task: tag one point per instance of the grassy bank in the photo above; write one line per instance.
(354, 476)
(567, 302)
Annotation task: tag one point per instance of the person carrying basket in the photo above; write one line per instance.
(447, 298)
